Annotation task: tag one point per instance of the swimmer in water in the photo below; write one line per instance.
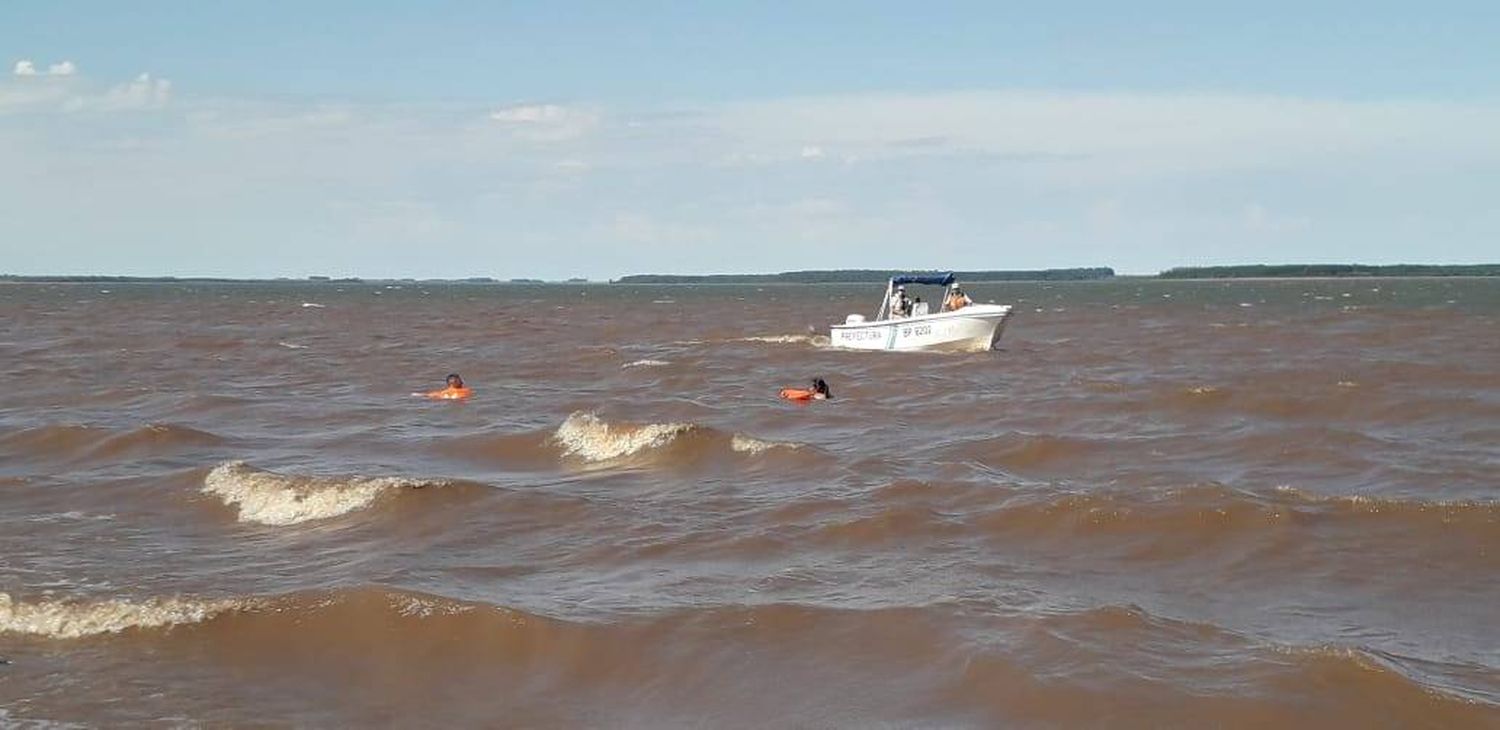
(455, 390)
(818, 391)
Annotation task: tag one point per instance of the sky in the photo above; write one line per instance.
(597, 139)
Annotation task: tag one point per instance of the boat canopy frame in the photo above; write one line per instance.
(942, 280)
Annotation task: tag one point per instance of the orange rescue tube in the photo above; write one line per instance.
(449, 394)
(797, 394)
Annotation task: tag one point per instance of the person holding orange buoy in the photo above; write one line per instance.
(818, 391)
(455, 390)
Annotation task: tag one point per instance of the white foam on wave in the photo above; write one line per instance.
(750, 445)
(73, 516)
(269, 498)
(424, 606)
(72, 620)
(648, 363)
(587, 436)
(312, 305)
(1368, 503)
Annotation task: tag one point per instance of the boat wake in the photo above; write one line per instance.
(815, 340)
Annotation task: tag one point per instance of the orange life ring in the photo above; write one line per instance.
(449, 394)
(797, 394)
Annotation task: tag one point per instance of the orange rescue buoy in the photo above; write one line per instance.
(449, 394)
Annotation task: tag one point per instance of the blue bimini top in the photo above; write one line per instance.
(943, 280)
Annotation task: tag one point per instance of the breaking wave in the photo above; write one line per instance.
(442, 637)
(647, 363)
(586, 436)
(269, 498)
(591, 438)
(72, 620)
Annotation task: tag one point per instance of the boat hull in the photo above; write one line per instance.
(974, 328)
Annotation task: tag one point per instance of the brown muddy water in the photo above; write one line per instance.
(1181, 504)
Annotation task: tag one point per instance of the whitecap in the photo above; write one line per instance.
(589, 437)
(72, 620)
(750, 445)
(269, 498)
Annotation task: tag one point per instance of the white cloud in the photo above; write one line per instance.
(72, 93)
(143, 92)
(530, 114)
(812, 152)
(26, 67)
(546, 122)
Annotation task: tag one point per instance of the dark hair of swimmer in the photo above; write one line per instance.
(820, 386)
(454, 381)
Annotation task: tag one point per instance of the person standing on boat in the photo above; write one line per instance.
(957, 299)
(900, 305)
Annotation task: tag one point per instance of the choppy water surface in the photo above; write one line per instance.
(1187, 504)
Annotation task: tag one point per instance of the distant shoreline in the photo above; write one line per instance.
(858, 276)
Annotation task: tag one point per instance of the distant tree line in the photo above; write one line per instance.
(1326, 270)
(866, 276)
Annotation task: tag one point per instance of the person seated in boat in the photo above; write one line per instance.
(918, 307)
(900, 305)
(957, 299)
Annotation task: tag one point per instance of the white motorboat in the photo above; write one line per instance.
(974, 327)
